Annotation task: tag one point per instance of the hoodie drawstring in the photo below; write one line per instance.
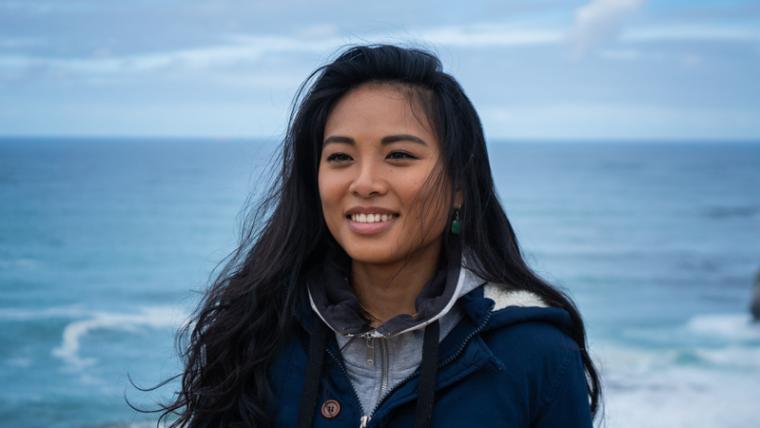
(425, 391)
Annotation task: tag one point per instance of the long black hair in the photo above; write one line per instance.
(247, 313)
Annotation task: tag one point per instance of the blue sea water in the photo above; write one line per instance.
(105, 245)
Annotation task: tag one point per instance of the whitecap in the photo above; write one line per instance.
(74, 332)
(683, 396)
(18, 314)
(732, 357)
(732, 326)
(651, 387)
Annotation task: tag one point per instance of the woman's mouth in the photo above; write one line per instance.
(370, 224)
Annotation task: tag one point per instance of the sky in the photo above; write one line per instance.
(558, 70)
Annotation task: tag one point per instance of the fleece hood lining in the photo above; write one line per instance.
(503, 298)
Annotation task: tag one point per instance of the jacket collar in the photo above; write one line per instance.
(333, 300)
(481, 301)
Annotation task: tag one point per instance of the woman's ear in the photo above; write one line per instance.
(458, 198)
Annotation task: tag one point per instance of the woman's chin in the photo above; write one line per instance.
(388, 249)
(373, 254)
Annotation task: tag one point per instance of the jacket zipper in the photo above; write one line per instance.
(370, 351)
(384, 369)
(364, 421)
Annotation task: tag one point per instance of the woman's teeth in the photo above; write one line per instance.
(371, 218)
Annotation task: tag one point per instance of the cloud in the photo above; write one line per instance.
(636, 42)
(239, 56)
(247, 49)
(238, 49)
(693, 33)
(600, 21)
(626, 120)
(491, 35)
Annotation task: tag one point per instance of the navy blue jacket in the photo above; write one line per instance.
(501, 366)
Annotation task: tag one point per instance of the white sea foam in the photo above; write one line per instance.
(682, 397)
(16, 314)
(732, 357)
(735, 327)
(651, 388)
(151, 317)
(633, 360)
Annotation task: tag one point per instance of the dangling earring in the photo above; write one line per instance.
(456, 225)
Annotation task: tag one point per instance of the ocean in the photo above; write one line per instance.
(107, 244)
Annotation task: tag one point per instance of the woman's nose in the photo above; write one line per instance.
(368, 180)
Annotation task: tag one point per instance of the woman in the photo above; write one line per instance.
(384, 285)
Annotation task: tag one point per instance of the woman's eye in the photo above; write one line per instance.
(400, 155)
(338, 157)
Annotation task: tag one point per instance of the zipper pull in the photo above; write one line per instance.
(370, 351)
(363, 421)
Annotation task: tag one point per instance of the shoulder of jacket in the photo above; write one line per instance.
(523, 319)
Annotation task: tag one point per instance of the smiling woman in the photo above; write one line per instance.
(372, 186)
(384, 285)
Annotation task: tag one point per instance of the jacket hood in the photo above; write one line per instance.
(332, 298)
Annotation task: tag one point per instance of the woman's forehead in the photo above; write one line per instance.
(372, 111)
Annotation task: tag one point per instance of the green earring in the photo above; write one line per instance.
(456, 225)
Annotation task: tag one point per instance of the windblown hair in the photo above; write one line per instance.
(248, 312)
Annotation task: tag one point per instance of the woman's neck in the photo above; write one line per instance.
(391, 289)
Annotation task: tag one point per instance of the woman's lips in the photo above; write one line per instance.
(370, 228)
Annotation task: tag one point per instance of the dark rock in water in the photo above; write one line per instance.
(755, 305)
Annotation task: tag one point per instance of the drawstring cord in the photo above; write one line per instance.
(426, 390)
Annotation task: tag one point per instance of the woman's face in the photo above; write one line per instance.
(375, 161)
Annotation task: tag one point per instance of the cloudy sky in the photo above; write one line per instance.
(564, 69)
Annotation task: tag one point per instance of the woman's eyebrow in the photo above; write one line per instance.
(402, 137)
(384, 141)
